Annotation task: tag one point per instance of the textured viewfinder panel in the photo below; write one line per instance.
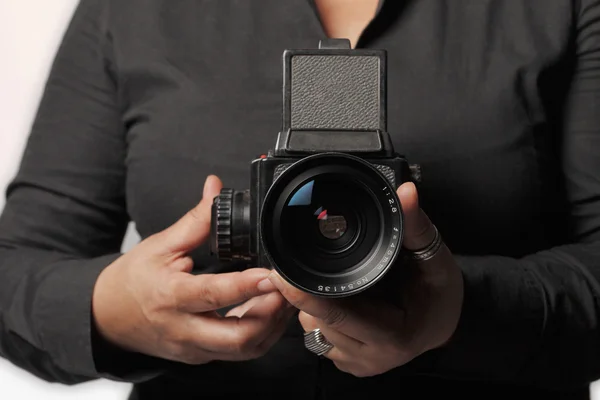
(335, 92)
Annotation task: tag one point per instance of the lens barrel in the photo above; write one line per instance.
(331, 224)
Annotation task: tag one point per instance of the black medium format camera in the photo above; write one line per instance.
(322, 207)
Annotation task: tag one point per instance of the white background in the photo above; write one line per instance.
(30, 31)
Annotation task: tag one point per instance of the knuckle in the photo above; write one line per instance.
(178, 352)
(176, 337)
(152, 241)
(245, 345)
(244, 291)
(196, 214)
(365, 370)
(394, 351)
(209, 295)
(403, 356)
(362, 369)
(400, 348)
(263, 348)
(361, 373)
(191, 357)
(155, 319)
(164, 296)
(293, 296)
(259, 350)
(169, 291)
(423, 234)
(343, 367)
(335, 317)
(182, 348)
(306, 321)
(298, 300)
(298, 305)
(188, 356)
(153, 310)
(188, 359)
(423, 231)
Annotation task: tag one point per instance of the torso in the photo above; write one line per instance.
(201, 89)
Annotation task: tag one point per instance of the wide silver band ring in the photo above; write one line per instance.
(315, 342)
(427, 253)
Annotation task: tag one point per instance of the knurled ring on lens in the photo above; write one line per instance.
(315, 342)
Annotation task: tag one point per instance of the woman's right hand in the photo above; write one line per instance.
(148, 302)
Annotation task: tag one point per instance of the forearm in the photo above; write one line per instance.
(534, 320)
(46, 322)
(45, 313)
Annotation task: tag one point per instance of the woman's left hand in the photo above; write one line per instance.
(372, 337)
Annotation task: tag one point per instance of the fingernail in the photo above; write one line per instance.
(266, 286)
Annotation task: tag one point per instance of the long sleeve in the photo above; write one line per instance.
(65, 215)
(536, 320)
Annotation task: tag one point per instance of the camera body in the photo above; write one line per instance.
(322, 207)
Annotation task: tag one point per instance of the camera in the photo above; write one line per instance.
(322, 207)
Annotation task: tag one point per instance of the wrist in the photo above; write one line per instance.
(107, 309)
(446, 287)
(113, 358)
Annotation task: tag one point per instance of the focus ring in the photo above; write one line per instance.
(224, 205)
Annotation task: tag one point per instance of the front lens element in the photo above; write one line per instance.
(331, 224)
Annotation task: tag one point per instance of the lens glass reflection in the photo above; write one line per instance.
(330, 223)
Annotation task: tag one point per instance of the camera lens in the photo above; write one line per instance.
(331, 224)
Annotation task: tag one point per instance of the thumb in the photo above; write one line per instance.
(418, 229)
(194, 227)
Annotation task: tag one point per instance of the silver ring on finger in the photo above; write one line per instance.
(315, 342)
(428, 252)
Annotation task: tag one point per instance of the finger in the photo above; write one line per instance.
(262, 348)
(191, 355)
(272, 305)
(240, 310)
(344, 348)
(278, 331)
(193, 228)
(183, 264)
(209, 292)
(346, 367)
(276, 312)
(355, 369)
(333, 312)
(194, 355)
(240, 335)
(419, 231)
